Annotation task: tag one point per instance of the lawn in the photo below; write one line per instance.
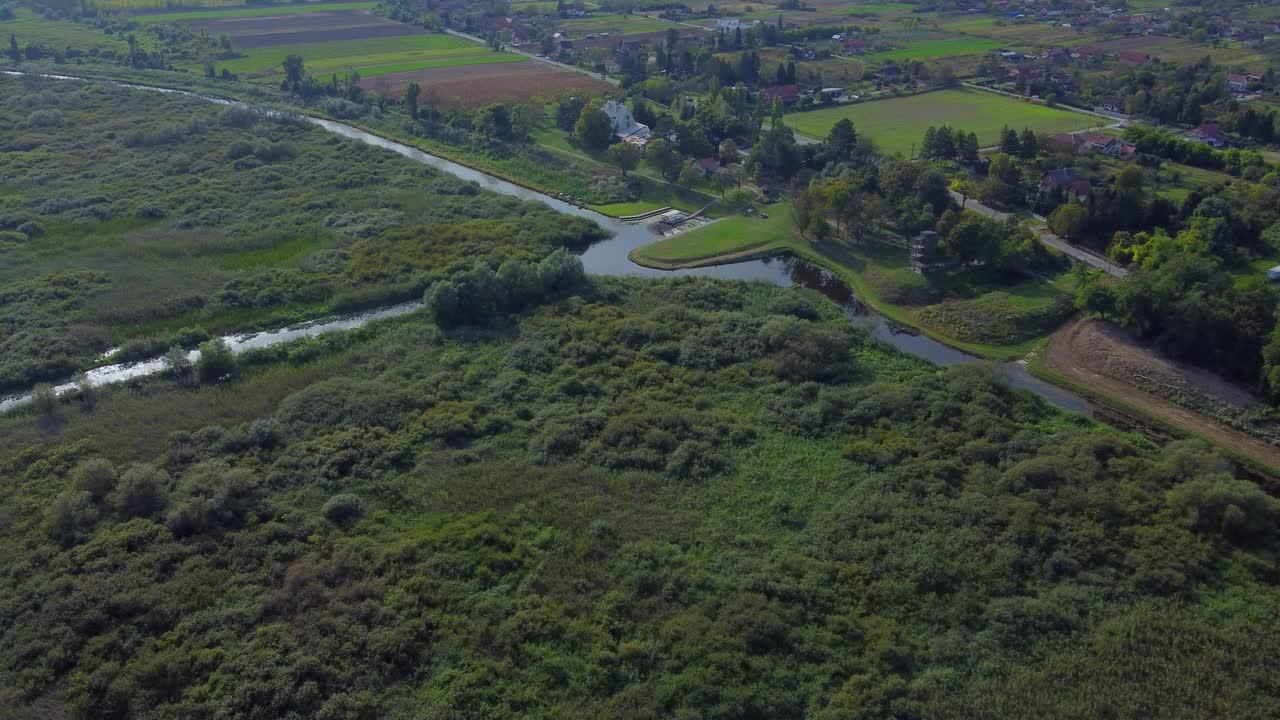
(404, 52)
(256, 11)
(898, 124)
(930, 49)
(730, 236)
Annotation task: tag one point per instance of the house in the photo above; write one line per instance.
(1063, 80)
(1067, 143)
(1210, 134)
(576, 10)
(1237, 83)
(1107, 145)
(1274, 273)
(624, 123)
(728, 24)
(566, 46)
(1068, 181)
(788, 94)
(1112, 104)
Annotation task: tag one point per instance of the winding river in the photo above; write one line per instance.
(607, 257)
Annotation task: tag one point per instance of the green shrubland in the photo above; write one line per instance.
(621, 498)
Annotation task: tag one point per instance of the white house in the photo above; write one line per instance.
(624, 123)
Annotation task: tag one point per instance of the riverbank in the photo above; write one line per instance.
(1063, 362)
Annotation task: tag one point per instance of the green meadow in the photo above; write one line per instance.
(406, 52)
(898, 124)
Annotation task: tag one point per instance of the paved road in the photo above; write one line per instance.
(1048, 238)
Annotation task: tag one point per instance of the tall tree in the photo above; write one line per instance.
(293, 71)
(411, 93)
(593, 130)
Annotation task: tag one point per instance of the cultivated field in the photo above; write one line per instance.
(1177, 50)
(938, 48)
(28, 27)
(898, 124)
(481, 84)
(614, 25)
(251, 32)
(1024, 35)
(370, 56)
(256, 11)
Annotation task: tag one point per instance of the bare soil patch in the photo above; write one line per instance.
(472, 85)
(1106, 360)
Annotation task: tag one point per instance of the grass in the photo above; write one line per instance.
(403, 52)
(623, 24)
(728, 237)
(28, 27)
(256, 11)
(876, 9)
(484, 57)
(930, 49)
(898, 124)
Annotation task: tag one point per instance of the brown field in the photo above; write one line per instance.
(247, 33)
(471, 85)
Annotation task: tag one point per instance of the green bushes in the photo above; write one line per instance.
(473, 296)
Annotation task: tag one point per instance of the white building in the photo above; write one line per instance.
(624, 123)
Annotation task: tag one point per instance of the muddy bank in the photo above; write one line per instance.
(1107, 363)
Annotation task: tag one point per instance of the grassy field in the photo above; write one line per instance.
(621, 24)
(731, 236)
(255, 11)
(393, 54)
(28, 27)
(876, 9)
(931, 49)
(898, 124)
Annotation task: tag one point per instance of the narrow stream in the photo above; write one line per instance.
(607, 257)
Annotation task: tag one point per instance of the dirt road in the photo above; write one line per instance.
(1096, 355)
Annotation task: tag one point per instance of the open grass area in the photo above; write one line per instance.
(932, 49)
(28, 27)
(898, 124)
(392, 54)
(875, 9)
(723, 239)
(252, 11)
(620, 24)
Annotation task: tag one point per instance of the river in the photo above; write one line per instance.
(607, 257)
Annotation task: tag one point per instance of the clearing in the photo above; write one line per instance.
(1103, 361)
(730, 239)
(898, 124)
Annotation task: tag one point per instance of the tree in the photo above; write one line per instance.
(140, 491)
(932, 189)
(965, 188)
(625, 155)
(1096, 297)
(1028, 145)
(593, 129)
(662, 156)
(1069, 220)
(293, 71)
(411, 93)
(95, 476)
(689, 174)
(177, 364)
(841, 141)
(215, 361)
(728, 151)
(1009, 141)
(14, 53)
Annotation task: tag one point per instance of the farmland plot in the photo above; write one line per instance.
(475, 85)
(254, 31)
(405, 52)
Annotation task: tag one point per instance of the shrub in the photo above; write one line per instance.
(95, 476)
(215, 361)
(141, 491)
(342, 509)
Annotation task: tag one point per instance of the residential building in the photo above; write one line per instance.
(788, 94)
(1210, 134)
(624, 123)
(1068, 181)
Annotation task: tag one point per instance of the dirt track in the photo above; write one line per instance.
(1099, 357)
